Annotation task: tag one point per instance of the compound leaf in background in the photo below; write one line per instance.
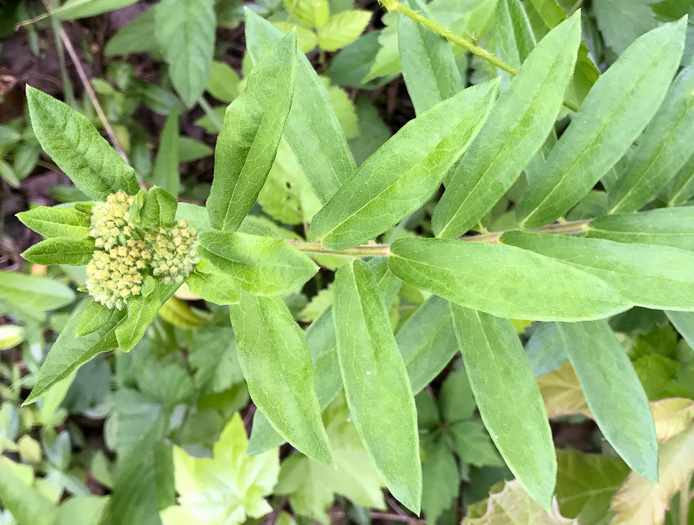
(247, 145)
(342, 29)
(77, 148)
(261, 265)
(277, 366)
(56, 222)
(614, 393)
(312, 129)
(373, 369)
(311, 13)
(428, 65)
(185, 32)
(61, 250)
(618, 107)
(516, 128)
(405, 172)
(508, 399)
(503, 280)
(165, 174)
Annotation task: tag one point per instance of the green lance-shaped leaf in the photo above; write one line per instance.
(681, 189)
(247, 145)
(185, 31)
(260, 265)
(73, 9)
(378, 390)
(165, 173)
(312, 130)
(428, 65)
(56, 222)
(663, 227)
(508, 399)
(656, 277)
(320, 337)
(277, 366)
(93, 317)
(503, 280)
(70, 351)
(513, 36)
(663, 149)
(516, 129)
(613, 393)
(618, 107)
(77, 148)
(211, 284)
(405, 172)
(61, 250)
(41, 293)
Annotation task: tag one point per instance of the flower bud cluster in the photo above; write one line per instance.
(173, 253)
(125, 254)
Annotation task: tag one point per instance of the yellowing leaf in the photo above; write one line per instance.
(10, 336)
(510, 504)
(672, 416)
(639, 502)
(225, 489)
(178, 313)
(342, 29)
(561, 393)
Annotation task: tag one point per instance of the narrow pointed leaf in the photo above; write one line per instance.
(260, 265)
(61, 250)
(508, 399)
(312, 130)
(617, 108)
(94, 317)
(614, 393)
(56, 222)
(663, 227)
(663, 149)
(428, 65)
(405, 172)
(652, 276)
(378, 390)
(513, 36)
(517, 127)
(41, 293)
(681, 188)
(277, 366)
(503, 280)
(141, 312)
(77, 148)
(165, 174)
(247, 145)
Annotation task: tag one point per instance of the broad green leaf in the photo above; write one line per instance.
(517, 127)
(73, 9)
(638, 501)
(503, 280)
(618, 107)
(405, 172)
(165, 174)
(247, 145)
(312, 129)
(586, 483)
(77, 148)
(157, 207)
(613, 393)
(247, 481)
(342, 29)
(24, 501)
(312, 486)
(656, 277)
(378, 390)
(93, 317)
(185, 32)
(621, 23)
(681, 189)
(223, 82)
(684, 323)
(211, 284)
(428, 65)
(41, 293)
(260, 265)
(663, 227)
(513, 36)
(312, 13)
(427, 342)
(70, 351)
(141, 312)
(276, 364)
(135, 37)
(61, 250)
(663, 149)
(508, 399)
(509, 504)
(56, 222)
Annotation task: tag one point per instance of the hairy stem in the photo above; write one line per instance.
(394, 5)
(383, 250)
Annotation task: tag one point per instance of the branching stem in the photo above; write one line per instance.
(383, 250)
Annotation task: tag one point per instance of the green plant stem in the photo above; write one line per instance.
(383, 250)
(394, 5)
